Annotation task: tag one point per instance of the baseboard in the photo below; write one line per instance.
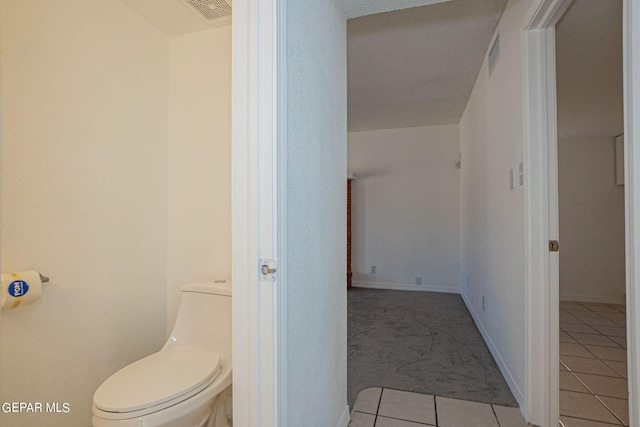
(517, 393)
(405, 287)
(345, 418)
(591, 298)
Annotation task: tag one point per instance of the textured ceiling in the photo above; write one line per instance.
(417, 67)
(413, 66)
(589, 70)
(173, 18)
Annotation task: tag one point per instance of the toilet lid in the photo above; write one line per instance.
(173, 371)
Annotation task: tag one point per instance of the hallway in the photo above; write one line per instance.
(423, 342)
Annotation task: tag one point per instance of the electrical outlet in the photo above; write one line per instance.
(373, 269)
(418, 281)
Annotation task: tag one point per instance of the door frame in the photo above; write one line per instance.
(258, 214)
(541, 211)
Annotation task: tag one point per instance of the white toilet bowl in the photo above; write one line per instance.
(180, 385)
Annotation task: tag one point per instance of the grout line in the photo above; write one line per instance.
(435, 409)
(375, 420)
(495, 415)
(609, 409)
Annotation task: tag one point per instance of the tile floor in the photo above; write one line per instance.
(593, 383)
(593, 365)
(383, 407)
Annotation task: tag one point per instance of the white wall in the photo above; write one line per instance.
(406, 207)
(492, 216)
(199, 231)
(591, 224)
(84, 197)
(316, 214)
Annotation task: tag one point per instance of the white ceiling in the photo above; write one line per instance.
(413, 65)
(417, 67)
(172, 17)
(355, 8)
(589, 70)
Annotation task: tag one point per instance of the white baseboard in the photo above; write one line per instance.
(517, 393)
(592, 298)
(345, 418)
(405, 287)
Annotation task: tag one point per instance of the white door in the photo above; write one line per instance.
(255, 214)
(542, 211)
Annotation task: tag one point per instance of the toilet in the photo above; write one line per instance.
(182, 384)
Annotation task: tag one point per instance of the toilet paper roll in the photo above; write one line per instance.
(20, 288)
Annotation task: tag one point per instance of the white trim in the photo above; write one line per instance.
(345, 418)
(511, 382)
(540, 130)
(281, 219)
(592, 299)
(405, 287)
(631, 49)
(258, 308)
(244, 396)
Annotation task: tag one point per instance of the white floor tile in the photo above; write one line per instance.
(611, 331)
(620, 408)
(588, 366)
(509, 417)
(565, 337)
(608, 353)
(392, 422)
(368, 400)
(358, 419)
(605, 386)
(577, 327)
(574, 349)
(577, 422)
(619, 367)
(621, 341)
(569, 382)
(586, 406)
(594, 339)
(407, 406)
(462, 413)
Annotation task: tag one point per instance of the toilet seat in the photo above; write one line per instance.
(158, 381)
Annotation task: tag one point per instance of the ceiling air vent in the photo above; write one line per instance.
(210, 10)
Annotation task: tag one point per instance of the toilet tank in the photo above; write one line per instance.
(204, 316)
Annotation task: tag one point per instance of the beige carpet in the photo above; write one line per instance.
(422, 342)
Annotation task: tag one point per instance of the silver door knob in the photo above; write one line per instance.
(267, 270)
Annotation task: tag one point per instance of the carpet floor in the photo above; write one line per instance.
(423, 342)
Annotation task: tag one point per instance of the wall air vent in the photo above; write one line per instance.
(494, 53)
(210, 10)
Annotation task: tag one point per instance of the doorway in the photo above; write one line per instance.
(542, 210)
(591, 211)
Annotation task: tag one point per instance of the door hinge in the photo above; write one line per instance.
(554, 246)
(268, 268)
